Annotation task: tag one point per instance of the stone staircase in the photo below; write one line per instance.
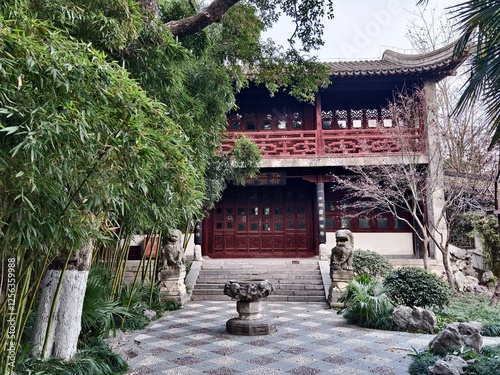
(294, 280)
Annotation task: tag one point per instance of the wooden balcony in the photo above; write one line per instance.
(335, 143)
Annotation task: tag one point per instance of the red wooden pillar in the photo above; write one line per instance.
(320, 142)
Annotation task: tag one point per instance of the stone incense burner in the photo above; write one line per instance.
(248, 293)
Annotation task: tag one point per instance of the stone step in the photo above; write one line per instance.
(295, 292)
(281, 279)
(315, 281)
(261, 270)
(235, 276)
(304, 289)
(262, 265)
(271, 298)
(272, 277)
(293, 280)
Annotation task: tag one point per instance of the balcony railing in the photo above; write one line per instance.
(335, 143)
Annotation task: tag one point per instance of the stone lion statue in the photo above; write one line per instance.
(172, 253)
(341, 258)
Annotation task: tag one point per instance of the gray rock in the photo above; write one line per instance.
(150, 314)
(124, 347)
(465, 283)
(414, 320)
(457, 335)
(459, 253)
(486, 277)
(115, 340)
(449, 365)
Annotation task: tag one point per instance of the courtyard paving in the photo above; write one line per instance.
(311, 339)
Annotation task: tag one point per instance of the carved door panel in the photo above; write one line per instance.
(265, 221)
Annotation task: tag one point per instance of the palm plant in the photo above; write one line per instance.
(480, 20)
(366, 303)
(99, 310)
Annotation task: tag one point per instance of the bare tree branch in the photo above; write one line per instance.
(213, 13)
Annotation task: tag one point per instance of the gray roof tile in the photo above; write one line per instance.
(441, 62)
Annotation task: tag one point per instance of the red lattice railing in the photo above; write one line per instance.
(365, 142)
(334, 143)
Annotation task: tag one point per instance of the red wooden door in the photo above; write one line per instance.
(260, 222)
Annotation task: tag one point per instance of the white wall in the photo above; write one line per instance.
(138, 239)
(190, 247)
(382, 243)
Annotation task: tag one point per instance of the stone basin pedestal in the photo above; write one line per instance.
(250, 321)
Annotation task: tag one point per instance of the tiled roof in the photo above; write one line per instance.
(440, 62)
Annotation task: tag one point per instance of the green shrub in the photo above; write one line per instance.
(93, 358)
(366, 303)
(370, 263)
(413, 286)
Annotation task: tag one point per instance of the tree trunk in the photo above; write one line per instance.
(63, 335)
(425, 255)
(65, 325)
(496, 295)
(211, 14)
(447, 269)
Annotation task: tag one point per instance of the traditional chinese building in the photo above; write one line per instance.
(291, 211)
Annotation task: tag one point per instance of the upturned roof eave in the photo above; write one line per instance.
(440, 63)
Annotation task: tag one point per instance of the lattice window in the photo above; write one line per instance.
(386, 114)
(357, 118)
(296, 121)
(281, 121)
(382, 223)
(416, 114)
(266, 122)
(235, 121)
(327, 120)
(251, 121)
(341, 117)
(372, 117)
(401, 116)
(343, 213)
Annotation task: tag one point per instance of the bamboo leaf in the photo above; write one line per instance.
(10, 129)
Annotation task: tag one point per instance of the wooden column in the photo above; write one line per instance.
(320, 206)
(198, 240)
(320, 142)
(320, 199)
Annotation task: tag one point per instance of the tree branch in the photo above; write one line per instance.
(211, 14)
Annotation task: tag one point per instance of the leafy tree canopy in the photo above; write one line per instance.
(106, 112)
(80, 140)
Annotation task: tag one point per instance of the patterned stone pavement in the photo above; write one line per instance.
(311, 339)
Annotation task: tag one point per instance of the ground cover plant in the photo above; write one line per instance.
(94, 357)
(467, 308)
(487, 362)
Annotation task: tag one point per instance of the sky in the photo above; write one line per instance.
(364, 29)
